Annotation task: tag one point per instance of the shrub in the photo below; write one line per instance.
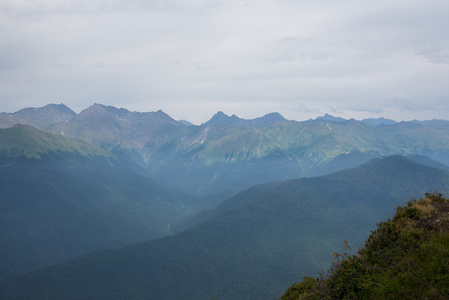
(402, 259)
(300, 290)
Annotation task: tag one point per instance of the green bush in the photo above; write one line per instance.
(402, 259)
(300, 290)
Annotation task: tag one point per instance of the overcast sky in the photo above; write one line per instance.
(192, 58)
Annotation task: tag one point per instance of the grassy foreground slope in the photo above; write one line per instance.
(406, 257)
(252, 247)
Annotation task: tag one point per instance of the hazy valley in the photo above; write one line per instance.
(232, 208)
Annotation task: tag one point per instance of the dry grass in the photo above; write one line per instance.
(424, 208)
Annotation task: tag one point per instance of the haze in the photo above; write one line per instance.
(353, 59)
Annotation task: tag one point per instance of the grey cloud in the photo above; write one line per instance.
(435, 54)
(192, 58)
(408, 105)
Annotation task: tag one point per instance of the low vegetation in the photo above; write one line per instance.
(406, 257)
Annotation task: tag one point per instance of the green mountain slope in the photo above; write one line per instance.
(251, 247)
(25, 142)
(61, 197)
(207, 159)
(229, 154)
(406, 257)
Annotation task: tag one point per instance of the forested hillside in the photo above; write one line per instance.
(251, 247)
(61, 197)
(108, 178)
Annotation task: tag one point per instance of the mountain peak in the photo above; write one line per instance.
(274, 116)
(93, 108)
(329, 118)
(41, 117)
(59, 107)
(267, 120)
(163, 114)
(379, 122)
(220, 118)
(103, 110)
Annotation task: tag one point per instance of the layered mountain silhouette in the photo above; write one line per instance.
(227, 154)
(61, 197)
(252, 246)
(193, 212)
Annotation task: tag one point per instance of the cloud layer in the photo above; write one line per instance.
(192, 58)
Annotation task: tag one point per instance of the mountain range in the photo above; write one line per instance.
(228, 154)
(132, 204)
(252, 246)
